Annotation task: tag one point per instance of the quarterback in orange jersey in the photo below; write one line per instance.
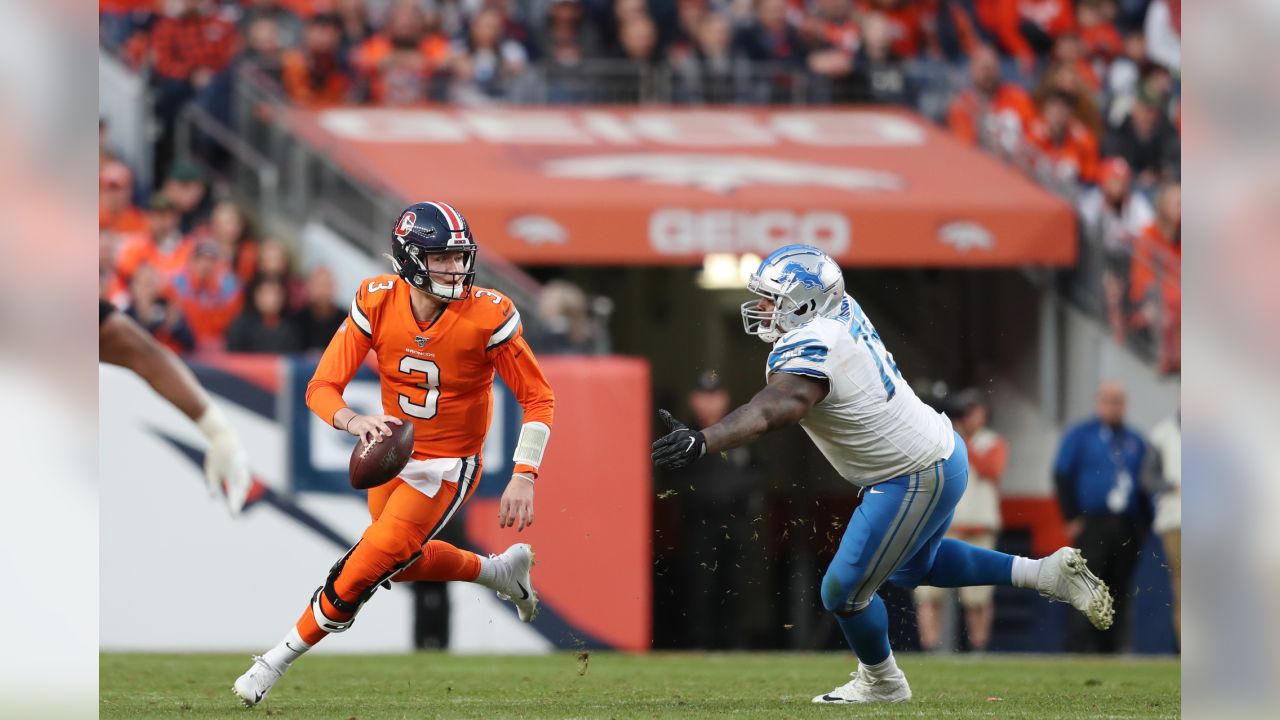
(438, 342)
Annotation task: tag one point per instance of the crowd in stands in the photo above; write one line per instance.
(1084, 95)
(196, 274)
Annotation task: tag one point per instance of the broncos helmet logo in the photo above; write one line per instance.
(800, 274)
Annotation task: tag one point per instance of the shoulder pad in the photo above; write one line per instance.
(371, 294)
(496, 315)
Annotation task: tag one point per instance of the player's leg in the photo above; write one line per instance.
(391, 543)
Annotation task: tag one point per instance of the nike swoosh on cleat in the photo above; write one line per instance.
(525, 596)
(257, 698)
(828, 698)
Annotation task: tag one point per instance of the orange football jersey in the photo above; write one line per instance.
(439, 376)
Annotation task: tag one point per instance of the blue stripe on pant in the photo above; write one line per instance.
(895, 533)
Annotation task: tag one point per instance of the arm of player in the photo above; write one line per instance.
(519, 369)
(784, 401)
(340, 362)
(121, 341)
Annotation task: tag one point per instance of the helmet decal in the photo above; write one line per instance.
(406, 223)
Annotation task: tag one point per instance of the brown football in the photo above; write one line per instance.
(379, 463)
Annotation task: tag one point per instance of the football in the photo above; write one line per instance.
(376, 464)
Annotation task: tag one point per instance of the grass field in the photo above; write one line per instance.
(610, 685)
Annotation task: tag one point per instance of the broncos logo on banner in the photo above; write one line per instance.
(799, 273)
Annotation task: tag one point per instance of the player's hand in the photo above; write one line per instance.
(372, 428)
(226, 467)
(516, 505)
(679, 447)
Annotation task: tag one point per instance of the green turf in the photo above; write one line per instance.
(609, 685)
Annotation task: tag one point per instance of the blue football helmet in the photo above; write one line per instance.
(433, 227)
(802, 281)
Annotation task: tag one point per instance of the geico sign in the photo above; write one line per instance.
(698, 128)
(676, 231)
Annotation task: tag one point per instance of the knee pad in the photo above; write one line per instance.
(389, 549)
(837, 597)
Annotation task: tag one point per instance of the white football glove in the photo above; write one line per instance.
(226, 466)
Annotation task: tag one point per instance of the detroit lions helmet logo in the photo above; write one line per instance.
(799, 273)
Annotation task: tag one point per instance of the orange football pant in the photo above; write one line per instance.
(403, 519)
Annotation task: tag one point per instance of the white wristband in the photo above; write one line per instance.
(213, 423)
(532, 443)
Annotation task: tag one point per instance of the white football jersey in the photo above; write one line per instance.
(871, 426)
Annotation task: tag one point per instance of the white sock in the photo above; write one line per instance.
(289, 649)
(886, 668)
(1026, 572)
(489, 572)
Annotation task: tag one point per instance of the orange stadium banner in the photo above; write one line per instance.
(611, 186)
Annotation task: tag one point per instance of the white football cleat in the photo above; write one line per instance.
(864, 689)
(516, 582)
(256, 682)
(1065, 577)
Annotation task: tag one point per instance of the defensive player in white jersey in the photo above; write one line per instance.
(830, 372)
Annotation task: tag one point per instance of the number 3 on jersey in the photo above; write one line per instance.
(427, 410)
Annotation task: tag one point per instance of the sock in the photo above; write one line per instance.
(867, 632)
(287, 650)
(488, 574)
(1026, 572)
(441, 561)
(959, 564)
(888, 668)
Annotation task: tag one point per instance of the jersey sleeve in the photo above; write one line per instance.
(507, 327)
(519, 369)
(341, 361)
(801, 352)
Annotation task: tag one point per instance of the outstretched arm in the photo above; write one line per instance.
(784, 401)
(121, 341)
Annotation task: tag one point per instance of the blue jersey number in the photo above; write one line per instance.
(863, 331)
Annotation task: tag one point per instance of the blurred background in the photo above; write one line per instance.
(999, 179)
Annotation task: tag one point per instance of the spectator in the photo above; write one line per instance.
(1147, 141)
(566, 38)
(116, 211)
(1114, 216)
(186, 188)
(976, 521)
(489, 62)
(1124, 77)
(718, 507)
(1102, 42)
(319, 319)
(274, 263)
(1069, 50)
(1155, 280)
(833, 39)
(1065, 77)
(881, 74)
(316, 75)
(397, 64)
(105, 153)
(287, 23)
(187, 50)
(163, 246)
(1163, 29)
(1162, 479)
(1069, 152)
(708, 74)
(908, 31)
(993, 113)
(228, 229)
(1026, 29)
(684, 41)
(209, 296)
(353, 19)
(569, 326)
(1107, 512)
(263, 50)
(770, 36)
(151, 305)
(261, 327)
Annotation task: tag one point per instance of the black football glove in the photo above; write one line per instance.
(679, 447)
